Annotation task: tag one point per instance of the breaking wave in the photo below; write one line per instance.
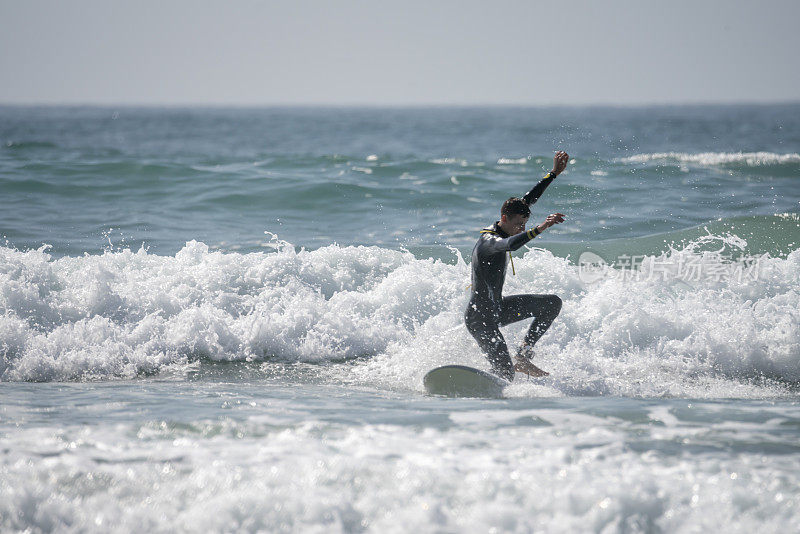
(390, 316)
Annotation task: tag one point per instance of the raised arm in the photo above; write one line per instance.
(560, 161)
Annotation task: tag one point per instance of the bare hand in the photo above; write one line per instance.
(560, 161)
(552, 219)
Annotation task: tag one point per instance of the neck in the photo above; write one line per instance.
(503, 227)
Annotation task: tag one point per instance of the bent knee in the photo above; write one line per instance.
(555, 303)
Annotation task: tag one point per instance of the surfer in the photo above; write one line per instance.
(488, 310)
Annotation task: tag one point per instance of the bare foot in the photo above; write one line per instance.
(525, 366)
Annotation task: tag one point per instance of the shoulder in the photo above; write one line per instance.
(489, 243)
(488, 235)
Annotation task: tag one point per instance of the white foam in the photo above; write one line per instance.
(449, 161)
(580, 474)
(751, 159)
(512, 161)
(126, 313)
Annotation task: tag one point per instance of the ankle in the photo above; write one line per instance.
(525, 353)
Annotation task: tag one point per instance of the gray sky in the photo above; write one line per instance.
(410, 52)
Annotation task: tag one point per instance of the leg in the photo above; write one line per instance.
(543, 308)
(487, 333)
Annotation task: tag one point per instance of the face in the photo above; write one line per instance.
(514, 224)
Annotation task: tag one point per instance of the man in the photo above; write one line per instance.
(488, 310)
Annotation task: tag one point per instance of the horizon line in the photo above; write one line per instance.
(422, 105)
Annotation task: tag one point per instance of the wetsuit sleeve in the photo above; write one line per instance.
(533, 195)
(513, 242)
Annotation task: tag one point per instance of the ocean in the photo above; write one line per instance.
(218, 320)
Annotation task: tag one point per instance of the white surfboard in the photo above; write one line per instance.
(463, 381)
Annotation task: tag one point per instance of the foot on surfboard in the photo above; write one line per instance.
(524, 365)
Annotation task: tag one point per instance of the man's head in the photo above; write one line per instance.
(513, 215)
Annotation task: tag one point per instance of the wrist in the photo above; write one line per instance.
(533, 232)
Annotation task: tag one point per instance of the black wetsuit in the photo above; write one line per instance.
(488, 310)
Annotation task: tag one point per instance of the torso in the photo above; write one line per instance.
(488, 273)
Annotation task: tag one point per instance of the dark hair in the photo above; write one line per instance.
(515, 206)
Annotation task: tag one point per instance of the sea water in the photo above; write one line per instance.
(219, 320)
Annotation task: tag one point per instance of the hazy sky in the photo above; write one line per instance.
(408, 52)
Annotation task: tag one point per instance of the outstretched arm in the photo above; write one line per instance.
(514, 242)
(560, 161)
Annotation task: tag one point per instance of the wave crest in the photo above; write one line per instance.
(751, 159)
